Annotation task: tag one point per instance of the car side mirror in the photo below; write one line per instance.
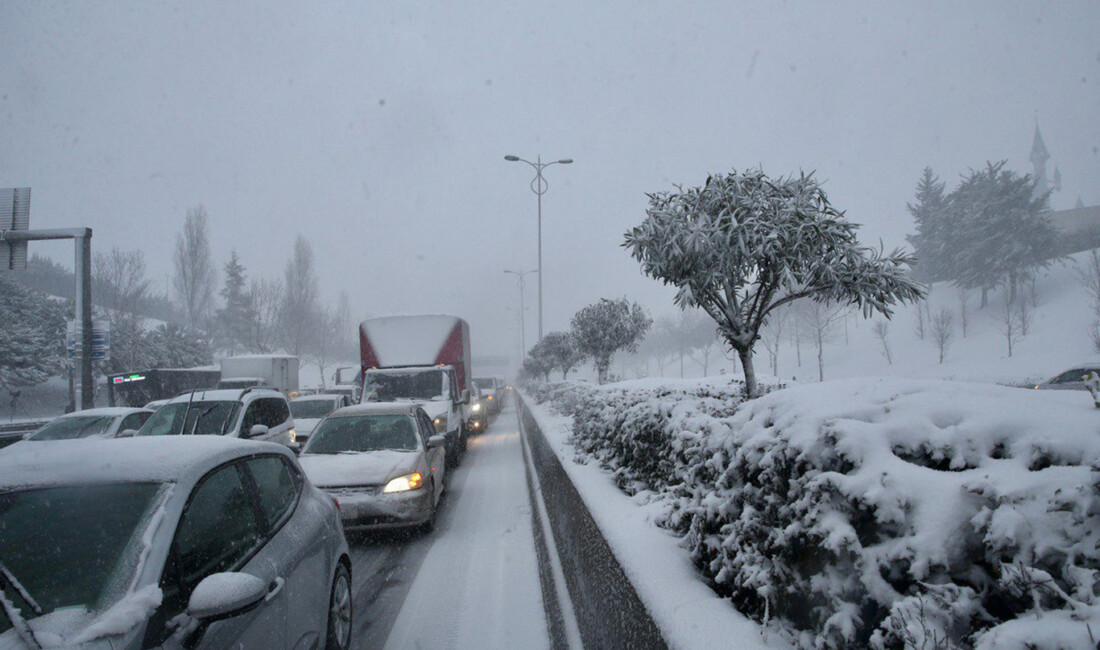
(258, 430)
(126, 433)
(224, 595)
(436, 441)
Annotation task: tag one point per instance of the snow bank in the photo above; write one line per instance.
(880, 512)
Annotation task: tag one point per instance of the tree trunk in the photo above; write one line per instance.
(751, 390)
(601, 370)
(820, 356)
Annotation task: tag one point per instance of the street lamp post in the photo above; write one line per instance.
(522, 283)
(539, 185)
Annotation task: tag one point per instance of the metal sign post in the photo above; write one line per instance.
(83, 240)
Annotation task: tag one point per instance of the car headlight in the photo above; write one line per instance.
(440, 424)
(476, 407)
(405, 483)
(490, 397)
(293, 435)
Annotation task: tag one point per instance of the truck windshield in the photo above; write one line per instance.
(388, 386)
(203, 418)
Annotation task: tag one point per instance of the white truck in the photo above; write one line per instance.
(424, 359)
(278, 371)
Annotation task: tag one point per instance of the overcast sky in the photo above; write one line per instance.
(378, 129)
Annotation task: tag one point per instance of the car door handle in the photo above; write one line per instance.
(274, 589)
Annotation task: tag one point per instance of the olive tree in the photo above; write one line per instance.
(743, 245)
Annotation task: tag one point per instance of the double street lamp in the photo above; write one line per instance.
(539, 185)
(520, 275)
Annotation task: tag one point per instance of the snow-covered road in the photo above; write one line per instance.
(473, 582)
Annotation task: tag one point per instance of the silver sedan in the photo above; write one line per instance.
(383, 463)
(171, 542)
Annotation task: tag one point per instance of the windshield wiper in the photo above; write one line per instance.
(195, 426)
(22, 628)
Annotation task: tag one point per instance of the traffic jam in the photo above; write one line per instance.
(209, 508)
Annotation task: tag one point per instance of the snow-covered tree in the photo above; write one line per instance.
(605, 327)
(881, 329)
(1089, 276)
(299, 315)
(194, 267)
(744, 244)
(234, 318)
(266, 297)
(661, 342)
(179, 347)
(929, 242)
(1000, 230)
(32, 335)
(559, 350)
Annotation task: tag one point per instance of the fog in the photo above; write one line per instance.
(378, 130)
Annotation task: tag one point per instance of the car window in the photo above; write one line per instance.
(277, 486)
(1069, 376)
(273, 412)
(252, 416)
(426, 428)
(218, 530)
(132, 421)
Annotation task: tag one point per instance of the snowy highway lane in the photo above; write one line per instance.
(473, 581)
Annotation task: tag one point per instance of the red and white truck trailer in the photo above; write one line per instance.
(425, 359)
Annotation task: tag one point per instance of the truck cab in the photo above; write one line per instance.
(434, 388)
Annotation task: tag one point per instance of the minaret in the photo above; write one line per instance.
(1039, 157)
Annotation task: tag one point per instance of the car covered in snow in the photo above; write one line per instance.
(1072, 379)
(476, 411)
(255, 413)
(383, 463)
(175, 542)
(106, 422)
(309, 409)
(492, 391)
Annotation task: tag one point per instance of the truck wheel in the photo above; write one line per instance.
(462, 435)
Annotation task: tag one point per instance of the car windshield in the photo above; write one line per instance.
(71, 547)
(205, 418)
(311, 408)
(413, 385)
(71, 427)
(361, 433)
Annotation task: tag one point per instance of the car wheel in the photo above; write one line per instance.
(429, 525)
(340, 611)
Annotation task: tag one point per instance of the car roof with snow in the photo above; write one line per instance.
(160, 459)
(323, 397)
(376, 408)
(225, 394)
(112, 411)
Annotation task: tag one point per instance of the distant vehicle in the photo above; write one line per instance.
(255, 413)
(424, 359)
(493, 391)
(383, 463)
(106, 422)
(175, 543)
(1072, 379)
(137, 388)
(351, 392)
(278, 371)
(309, 409)
(477, 411)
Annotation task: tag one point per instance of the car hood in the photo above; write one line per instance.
(366, 468)
(435, 409)
(305, 426)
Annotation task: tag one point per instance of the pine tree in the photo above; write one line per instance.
(32, 334)
(929, 242)
(235, 318)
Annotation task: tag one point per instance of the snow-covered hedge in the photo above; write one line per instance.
(883, 513)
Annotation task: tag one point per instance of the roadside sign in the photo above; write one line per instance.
(15, 214)
(101, 340)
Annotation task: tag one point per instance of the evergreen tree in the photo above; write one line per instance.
(32, 335)
(235, 318)
(1001, 232)
(929, 242)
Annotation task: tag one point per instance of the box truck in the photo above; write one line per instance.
(278, 371)
(424, 359)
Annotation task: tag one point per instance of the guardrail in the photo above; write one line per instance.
(13, 432)
(608, 611)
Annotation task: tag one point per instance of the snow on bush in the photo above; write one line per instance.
(882, 513)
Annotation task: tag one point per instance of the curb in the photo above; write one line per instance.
(609, 613)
